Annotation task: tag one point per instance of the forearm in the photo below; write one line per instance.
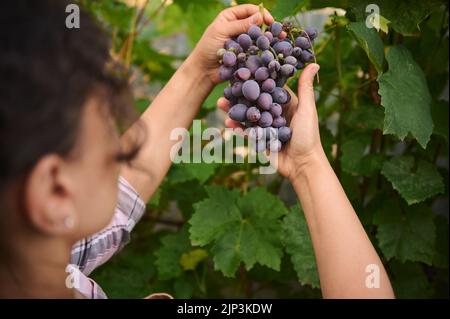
(342, 247)
(174, 107)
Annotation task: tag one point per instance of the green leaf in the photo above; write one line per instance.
(190, 260)
(183, 172)
(287, 8)
(216, 93)
(371, 43)
(173, 246)
(355, 158)
(407, 235)
(297, 242)
(241, 229)
(405, 97)
(414, 185)
(366, 117)
(410, 281)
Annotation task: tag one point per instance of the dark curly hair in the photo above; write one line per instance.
(47, 72)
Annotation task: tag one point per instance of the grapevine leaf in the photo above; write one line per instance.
(367, 117)
(173, 246)
(405, 97)
(409, 280)
(355, 159)
(183, 172)
(370, 41)
(287, 8)
(241, 229)
(414, 185)
(191, 259)
(408, 234)
(297, 242)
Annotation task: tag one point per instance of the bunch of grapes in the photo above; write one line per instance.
(258, 64)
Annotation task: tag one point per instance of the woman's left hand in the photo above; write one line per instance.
(229, 23)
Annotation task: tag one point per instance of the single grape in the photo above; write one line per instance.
(233, 46)
(268, 85)
(265, 120)
(284, 48)
(269, 36)
(296, 52)
(253, 50)
(306, 56)
(251, 90)
(242, 57)
(238, 112)
(287, 70)
(263, 43)
(243, 100)
(253, 63)
(256, 133)
(267, 57)
(303, 43)
(227, 93)
(261, 74)
(300, 65)
(274, 145)
(253, 114)
(280, 95)
(278, 121)
(229, 43)
(284, 134)
(225, 73)
(221, 52)
(265, 101)
(312, 33)
(229, 59)
(274, 66)
(276, 28)
(244, 41)
(236, 89)
(275, 110)
(243, 74)
(254, 32)
(290, 60)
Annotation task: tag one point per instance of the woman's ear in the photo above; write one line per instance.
(49, 202)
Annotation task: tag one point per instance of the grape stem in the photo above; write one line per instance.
(261, 10)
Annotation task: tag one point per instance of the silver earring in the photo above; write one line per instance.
(69, 222)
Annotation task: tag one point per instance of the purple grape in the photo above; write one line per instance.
(229, 59)
(274, 66)
(256, 133)
(227, 93)
(280, 95)
(290, 60)
(253, 50)
(265, 120)
(303, 43)
(284, 134)
(284, 48)
(296, 52)
(229, 43)
(238, 112)
(225, 73)
(253, 114)
(300, 65)
(265, 101)
(263, 43)
(261, 74)
(236, 89)
(233, 46)
(258, 146)
(267, 57)
(253, 63)
(243, 74)
(276, 28)
(269, 36)
(242, 57)
(278, 121)
(268, 85)
(306, 56)
(275, 110)
(244, 41)
(312, 33)
(251, 90)
(287, 70)
(243, 100)
(254, 32)
(274, 145)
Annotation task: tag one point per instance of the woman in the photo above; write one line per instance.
(62, 161)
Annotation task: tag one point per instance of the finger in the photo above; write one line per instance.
(241, 26)
(244, 11)
(233, 124)
(292, 106)
(305, 87)
(223, 104)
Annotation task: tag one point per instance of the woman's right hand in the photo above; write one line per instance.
(304, 146)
